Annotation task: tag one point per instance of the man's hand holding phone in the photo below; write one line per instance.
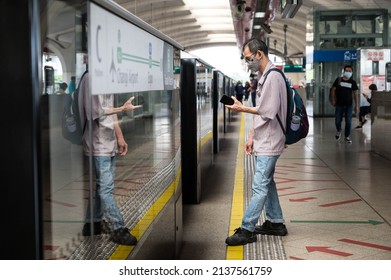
(226, 100)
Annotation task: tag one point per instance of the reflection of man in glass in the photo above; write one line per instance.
(107, 141)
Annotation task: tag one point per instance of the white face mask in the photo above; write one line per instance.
(347, 74)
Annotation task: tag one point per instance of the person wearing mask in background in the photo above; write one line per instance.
(266, 141)
(343, 92)
(365, 105)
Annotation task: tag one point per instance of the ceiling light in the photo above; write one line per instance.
(259, 14)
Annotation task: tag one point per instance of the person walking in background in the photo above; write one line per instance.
(72, 85)
(107, 142)
(239, 90)
(266, 141)
(253, 91)
(365, 105)
(343, 92)
(247, 89)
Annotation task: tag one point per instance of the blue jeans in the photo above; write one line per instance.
(264, 194)
(340, 111)
(105, 204)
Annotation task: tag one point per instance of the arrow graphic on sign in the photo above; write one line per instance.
(326, 250)
(372, 222)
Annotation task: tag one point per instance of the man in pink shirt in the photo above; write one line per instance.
(266, 141)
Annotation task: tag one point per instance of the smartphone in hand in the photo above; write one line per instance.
(225, 99)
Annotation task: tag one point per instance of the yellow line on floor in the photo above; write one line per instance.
(122, 252)
(237, 208)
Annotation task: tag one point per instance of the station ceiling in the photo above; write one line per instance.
(199, 24)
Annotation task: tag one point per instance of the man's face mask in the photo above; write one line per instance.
(347, 74)
(253, 63)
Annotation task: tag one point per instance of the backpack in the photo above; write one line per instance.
(296, 112)
(72, 129)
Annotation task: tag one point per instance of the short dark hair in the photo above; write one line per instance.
(348, 66)
(255, 44)
(63, 86)
(373, 87)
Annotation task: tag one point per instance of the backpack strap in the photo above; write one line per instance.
(294, 110)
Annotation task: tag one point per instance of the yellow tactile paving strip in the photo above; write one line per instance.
(236, 252)
(122, 252)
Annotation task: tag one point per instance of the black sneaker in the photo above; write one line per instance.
(241, 237)
(122, 236)
(87, 229)
(270, 228)
(99, 228)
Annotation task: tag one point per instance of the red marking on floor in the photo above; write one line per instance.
(126, 189)
(340, 202)
(324, 189)
(304, 199)
(308, 172)
(151, 172)
(281, 173)
(61, 203)
(327, 251)
(295, 258)
(285, 180)
(50, 247)
(286, 188)
(129, 181)
(381, 247)
(285, 166)
(312, 165)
